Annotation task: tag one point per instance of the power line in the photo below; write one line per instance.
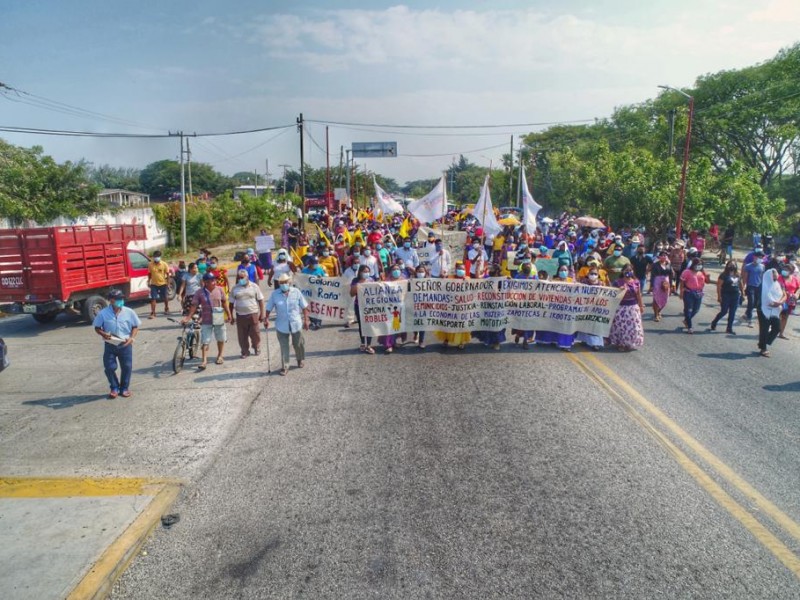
(71, 133)
(506, 126)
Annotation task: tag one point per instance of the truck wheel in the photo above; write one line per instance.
(48, 317)
(172, 289)
(93, 305)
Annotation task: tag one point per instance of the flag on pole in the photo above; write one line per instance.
(432, 206)
(405, 228)
(484, 212)
(530, 208)
(385, 203)
(322, 235)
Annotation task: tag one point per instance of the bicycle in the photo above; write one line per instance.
(188, 342)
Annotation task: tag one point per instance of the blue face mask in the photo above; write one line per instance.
(326, 253)
(460, 272)
(243, 281)
(284, 287)
(378, 246)
(617, 252)
(562, 274)
(119, 303)
(407, 245)
(395, 273)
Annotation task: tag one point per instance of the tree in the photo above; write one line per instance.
(163, 177)
(106, 176)
(33, 186)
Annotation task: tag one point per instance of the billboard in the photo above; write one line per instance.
(374, 149)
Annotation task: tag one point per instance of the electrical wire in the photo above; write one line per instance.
(506, 126)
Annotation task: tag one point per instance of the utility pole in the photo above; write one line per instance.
(183, 202)
(189, 164)
(327, 166)
(266, 177)
(302, 172)
(284, 177)
(341, 163)
(671, 120)
(511, 171)
(682, 194)
(255, 185)
(347, 179)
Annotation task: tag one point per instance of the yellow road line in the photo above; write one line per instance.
(768, 508)
(97, 583)
(761, 533)
(39, 487)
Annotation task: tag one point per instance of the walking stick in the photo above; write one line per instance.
(266, 335)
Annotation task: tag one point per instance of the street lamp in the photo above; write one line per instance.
(682, 195)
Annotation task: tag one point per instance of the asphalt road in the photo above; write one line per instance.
(670, 472)
(484, 474)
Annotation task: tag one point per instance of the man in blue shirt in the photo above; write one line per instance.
(291, 317)
(752, 274)
(117, 325)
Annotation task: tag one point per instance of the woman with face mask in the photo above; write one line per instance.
(729, 290)
(526, 271)
(790, 282)
(459, 339)
(627, 332)
(419, 337)
(769, 313)
(247, 310)
(564, 341)
(282, 266)
(661, 282)
(362, 278)
(389, 342)
(595, 342)
(693, 281)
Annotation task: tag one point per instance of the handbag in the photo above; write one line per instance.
(217, 312)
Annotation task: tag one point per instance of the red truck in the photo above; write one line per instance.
(46, 270)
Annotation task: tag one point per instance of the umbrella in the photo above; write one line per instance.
(587, 221)
(509, 220)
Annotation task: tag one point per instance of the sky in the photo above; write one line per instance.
(373, 71)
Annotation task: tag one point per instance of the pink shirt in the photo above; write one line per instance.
(693, 280)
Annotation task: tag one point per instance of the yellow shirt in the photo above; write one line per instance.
(158, 272)
(498, 243)
(329, 264)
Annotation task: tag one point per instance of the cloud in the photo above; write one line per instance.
(528, 41)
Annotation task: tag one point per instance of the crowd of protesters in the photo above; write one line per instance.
(362, 248)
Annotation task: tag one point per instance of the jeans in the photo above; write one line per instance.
(297, 342)
(642, 283)
(768, 330)
(691, 305)
(730, 303)
(124, 355)
(753, 294)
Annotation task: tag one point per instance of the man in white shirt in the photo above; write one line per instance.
(408, 255)
(477, 259)
(440, 264)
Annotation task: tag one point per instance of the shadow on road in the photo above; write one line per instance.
(786, 387)
(232, 376)
(64, 401)
(727, 355)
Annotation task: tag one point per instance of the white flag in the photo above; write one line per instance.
(431, 206)
(386, 204)
(530, 208)
(484, 212)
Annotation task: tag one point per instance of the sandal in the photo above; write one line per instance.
(389, 350)
(765, 353)
(220, 360)
(284, 371)
(202, 367)
(362, 348)
(301, 364)
(369, 350)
